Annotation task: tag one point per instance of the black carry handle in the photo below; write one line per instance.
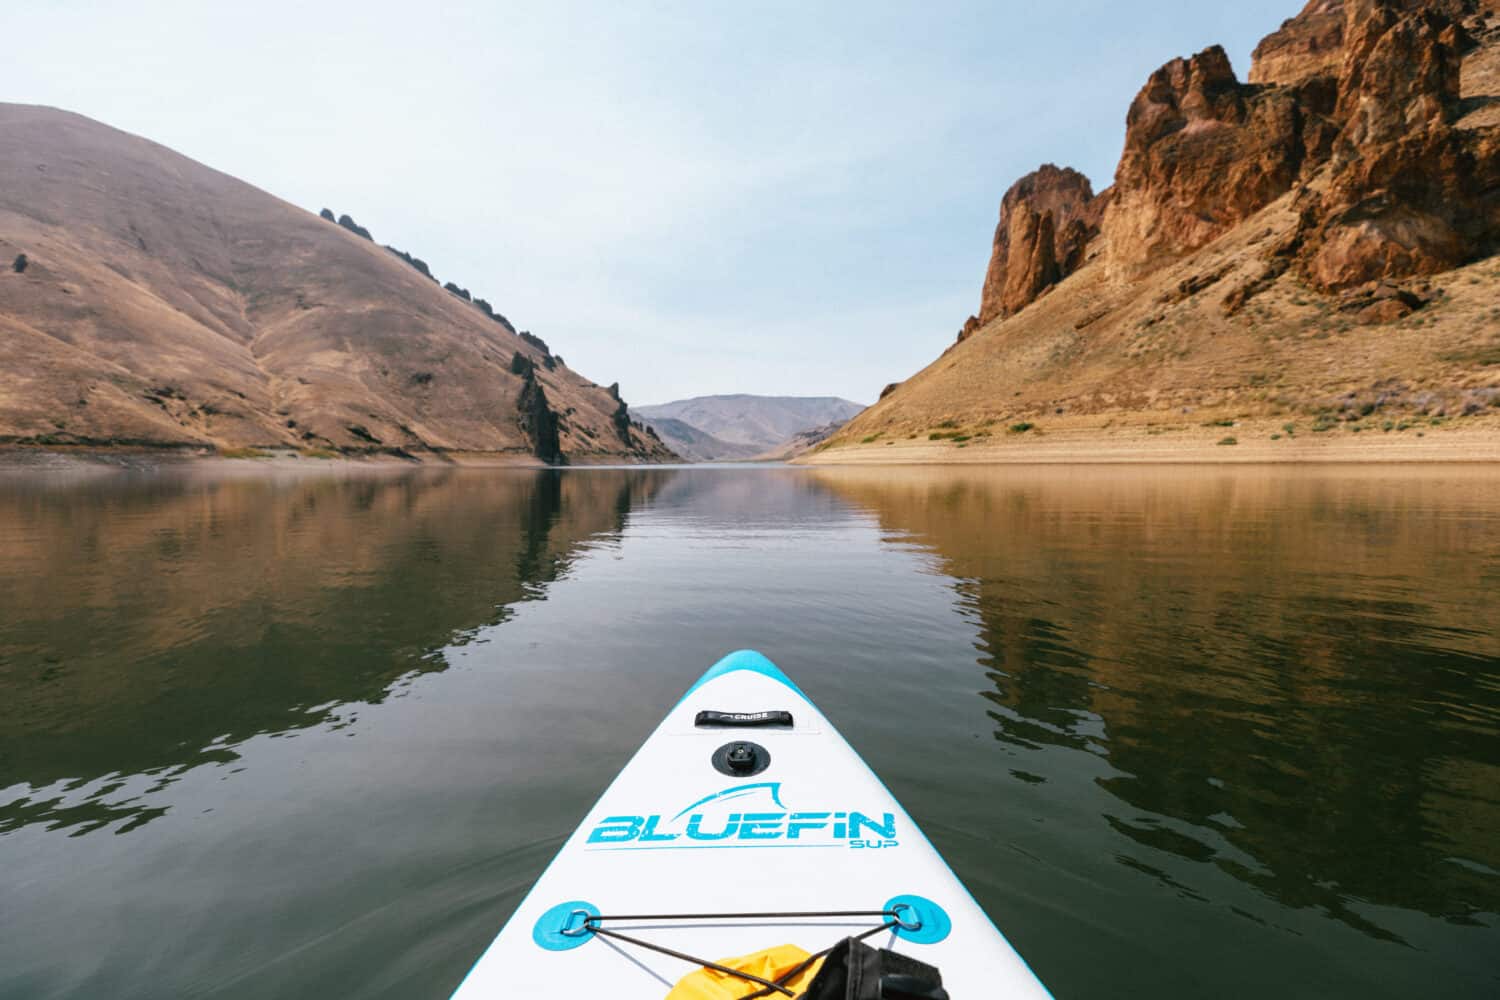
(743, 719)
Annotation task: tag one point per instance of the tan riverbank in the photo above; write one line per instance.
(64, 459)
(1469, 440)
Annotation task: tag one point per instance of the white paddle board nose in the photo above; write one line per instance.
(744, 822)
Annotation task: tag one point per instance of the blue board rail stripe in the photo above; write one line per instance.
(746, 659)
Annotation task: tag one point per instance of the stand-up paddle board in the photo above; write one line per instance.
(745, 822)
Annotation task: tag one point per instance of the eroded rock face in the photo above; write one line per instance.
(1308, 45)
(1047, 219)
(1204, 152)
(1312, 43)
(1408, 194)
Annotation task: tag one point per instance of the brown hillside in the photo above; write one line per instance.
(155, 301)
(1317, 246)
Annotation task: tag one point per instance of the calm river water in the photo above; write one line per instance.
(1184, 733)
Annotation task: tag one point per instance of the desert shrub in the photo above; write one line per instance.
(355, 228)
(1225, 442)
(19, 264)
(327, 213)
(1022, 427)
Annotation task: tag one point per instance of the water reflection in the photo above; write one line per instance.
(1226, 733)
(151, 623)
(1294, 679)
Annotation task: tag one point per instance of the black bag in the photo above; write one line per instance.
(855, 971)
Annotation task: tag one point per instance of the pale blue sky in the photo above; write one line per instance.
(690, 198)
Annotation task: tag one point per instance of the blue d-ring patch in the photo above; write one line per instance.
(919, 919)
(564, 926)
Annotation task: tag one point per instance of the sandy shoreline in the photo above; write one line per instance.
(93, 459)
(1243, 443)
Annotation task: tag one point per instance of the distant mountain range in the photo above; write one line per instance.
(148, 300)
(727, 428)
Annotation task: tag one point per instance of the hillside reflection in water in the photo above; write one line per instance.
(1294, 678)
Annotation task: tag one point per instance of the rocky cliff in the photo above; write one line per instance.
(1203, 153)
(1046, 222)
(1354, 103)
(1353, 181)
(156, 302)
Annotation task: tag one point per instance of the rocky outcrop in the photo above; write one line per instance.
(1408, 193)
(1352, 102)
(538, 422)
(1047, 219)
(1308, 45)
(621, 419)
(1203, 153)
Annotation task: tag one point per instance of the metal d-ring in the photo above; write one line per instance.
(568, 930)
(910, 926)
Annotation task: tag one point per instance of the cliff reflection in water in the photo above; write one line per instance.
(1294, 677)
(151, 623)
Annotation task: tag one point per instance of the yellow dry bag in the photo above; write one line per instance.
(772, 964)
